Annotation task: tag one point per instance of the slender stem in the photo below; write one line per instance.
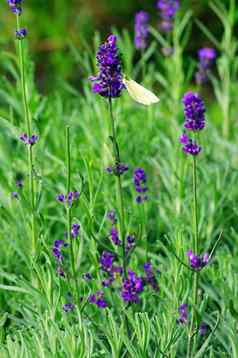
(69, 214)
(120, 200)
(196, 252)
(30, 149)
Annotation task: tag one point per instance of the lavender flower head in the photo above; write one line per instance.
(206, 56)
(33, 139)
(21, 34)
(98, 299)
(183, 314)
(197, 262)
(106, 261)
(194, 111)
(203, 328)
(132, 287)
(140, 184)
(168, 10)
(67, 307)
(141, 29)
(109, 82)
(150, 277)
(15, 6)
(189, 145)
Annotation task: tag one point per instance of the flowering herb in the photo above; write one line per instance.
(29, 140)
(21, 34)
(106, 261)
(87, 276)
(98, 299)
(115, 236)
(109, 82)
(194, 112)
(118, 169)
(130, 243)
(67, 307)
(167, 11)
(70, 199)
(183, 314)
(141, 29)
(15, 6)
(150, 277)
(207, 57)
(111, 215)
(75, 230)
(197, 262)
(203, 329)
(140, 183)
(132, 287)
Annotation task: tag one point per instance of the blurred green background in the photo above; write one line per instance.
(55, 25)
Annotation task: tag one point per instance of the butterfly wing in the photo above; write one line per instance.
(139, 93)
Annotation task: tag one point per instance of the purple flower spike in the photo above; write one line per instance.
(106, 261)
(132, 287)
(87, 276)
(21, 34)
(75, 230)
(98, 299)
(206, 56)
(183, 314)
(141, 29)
(115, 236)
(194, 111)
(203, 329)
(140, 181)
(60, 198)
(197, 262)
(29, 140)
(167, 11)
(68, 307)
(109, 82)
(150, 278)
(111, 215)
(191, 147)
(15, 6)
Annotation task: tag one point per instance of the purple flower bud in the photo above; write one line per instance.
(68, 307)
(183, 314)
(194, 111)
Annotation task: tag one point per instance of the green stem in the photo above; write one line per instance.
(30, 150)
(69, 214)
(192, 328)
(120, 200)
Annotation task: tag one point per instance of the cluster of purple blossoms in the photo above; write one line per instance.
(107, 261)
(75, 230)
(167, 10)
(189, 145)
(132, 287)
(118, 169)
(197, 262)
(194, 112)
(87, 276)
(114, 235)
(150, 278)
(71, 198)
(207, 57)
(98, 299)
(141, 29)
(130, 239)
(140, 183)
(21, 34)
(56, 250)
(15, 6)
(29, 140)
(109, 82)
(67, 307)
(183, 314)
(203, 329)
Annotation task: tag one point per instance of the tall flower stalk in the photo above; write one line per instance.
(194, 111)
(28, 138)
(69, 214)
(109, 84)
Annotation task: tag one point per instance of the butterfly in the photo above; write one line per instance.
(139, 93)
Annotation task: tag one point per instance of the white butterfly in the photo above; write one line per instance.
(139, 93)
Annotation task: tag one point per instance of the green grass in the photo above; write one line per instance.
(32, 322)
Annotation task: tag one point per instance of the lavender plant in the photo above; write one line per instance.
(28, 138)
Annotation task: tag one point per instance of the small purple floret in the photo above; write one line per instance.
(183, 314)
(132, 287)
(197, 262)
